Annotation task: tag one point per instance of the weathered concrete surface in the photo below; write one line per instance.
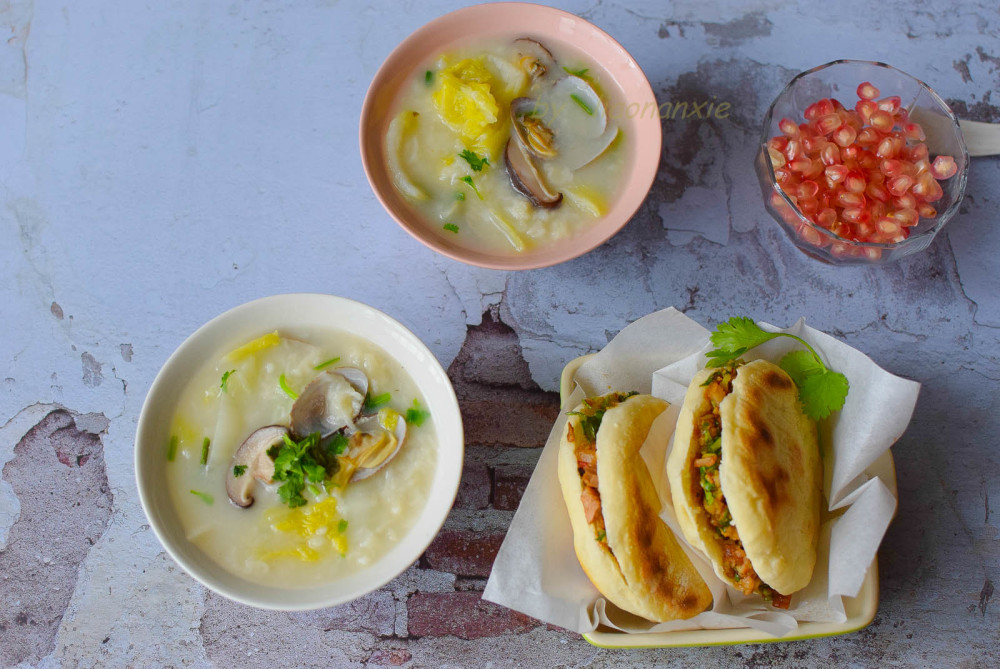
(59, 477)
(162, 163)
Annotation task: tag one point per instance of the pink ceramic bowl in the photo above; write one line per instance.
(547, 25)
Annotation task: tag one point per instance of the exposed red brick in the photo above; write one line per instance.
(390, 658)
(508, 420)
(464, 553)
(509, 482)
(474, 490)
(462, 614)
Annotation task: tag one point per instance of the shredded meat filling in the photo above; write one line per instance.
(706, 488)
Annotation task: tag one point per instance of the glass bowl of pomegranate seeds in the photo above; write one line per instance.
(861, 163)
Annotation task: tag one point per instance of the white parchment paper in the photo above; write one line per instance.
(537, 573)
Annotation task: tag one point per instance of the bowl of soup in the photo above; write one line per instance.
(510, 135)
(298, 451)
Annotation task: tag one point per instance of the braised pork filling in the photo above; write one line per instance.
(705, 485)
(584, 442)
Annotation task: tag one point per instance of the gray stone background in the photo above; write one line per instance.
(163, 162)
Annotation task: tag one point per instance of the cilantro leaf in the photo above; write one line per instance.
(239, 470)
(740, 334)
(468, 180)
(823, 393)
(475, 162)
(821, 390)
(451, 227)
(294, 465)
(225, 380)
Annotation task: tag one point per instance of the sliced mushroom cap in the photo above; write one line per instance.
(376, 442)
(534, 58)
(331, 401)
(526, 178)
(252, 457)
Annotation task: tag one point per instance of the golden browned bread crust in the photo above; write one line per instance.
(643, 569)
(771, 475)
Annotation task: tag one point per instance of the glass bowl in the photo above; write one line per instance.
(840, 79)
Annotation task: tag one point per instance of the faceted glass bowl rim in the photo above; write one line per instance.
(943, 217)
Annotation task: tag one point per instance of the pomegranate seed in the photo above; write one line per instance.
(868, 162)
(810, 235)
(849, 153)
(812, 144)
(882, 120)
(777, 159)
(869, 136)
(906, 217)
(800, 165)
(877, 192)
(850, 200)
(868, 92)
(778, 143)
(793, 150)
(781, 176)
(789, 127)
(899, 185)
(919, 152)
(886, 148)
(914, 131)
(845, 136)
(856, 215)
(807, 189)
(878, 209)
(808, 205)
(906, 201)
(926, 211)
(865, 109)
(919, 167)
(854, 182)
(944, 167)
(876, 177)
(836, 173)
(826, 217)
(830, 154)
(819, 109)
(891, 167)
(827, 124)
(872, 253)
(888, 226)
(890, 104)
(852, 119)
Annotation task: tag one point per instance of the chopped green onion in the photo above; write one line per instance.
(428, 77)
(172, 448)
(324, 365)
(239, 470)
(468, 180)
(204, 450)
(583, 105)
(284, 386)
(460, 196)
(416, 415)
(451, 227)
(205, 497)
(576, 73)
(375, 401)
(225, 379)
(342, 526)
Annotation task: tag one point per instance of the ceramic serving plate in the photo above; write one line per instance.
(860, 610)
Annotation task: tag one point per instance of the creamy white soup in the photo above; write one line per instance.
(299, 460)
(507, 145)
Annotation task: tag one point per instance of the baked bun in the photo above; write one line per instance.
(767, 471)
(626, 550)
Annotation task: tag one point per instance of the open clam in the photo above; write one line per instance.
(534, 135)
(533, 57)
(331, 402)
(578, 112)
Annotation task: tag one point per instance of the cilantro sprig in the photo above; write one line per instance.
(472, 185)
(296, 467)
(821, 390)
(476, 162)
(225, 380)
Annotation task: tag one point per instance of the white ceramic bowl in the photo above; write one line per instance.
(294, 312)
